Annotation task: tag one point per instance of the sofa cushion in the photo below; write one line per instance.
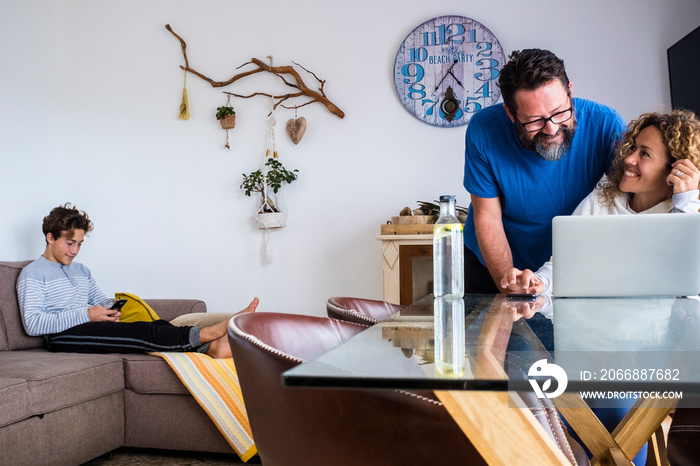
(202, 319)
(14, 400)
(148, 374)
(135, 309)
(168, 309)
(59, 380)
(12, 334)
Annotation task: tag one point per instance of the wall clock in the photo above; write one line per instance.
(446, 70)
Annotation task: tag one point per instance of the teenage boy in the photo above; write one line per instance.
(60, 300)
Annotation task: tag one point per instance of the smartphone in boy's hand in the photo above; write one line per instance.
(118, 304)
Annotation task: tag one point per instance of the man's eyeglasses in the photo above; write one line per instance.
(558, 118)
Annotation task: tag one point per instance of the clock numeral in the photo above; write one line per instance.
(419, 54)
(416, 91)
(412, 70)
(472, 106)
(429, 112)
(484, 49)
(445, 35)
(492, 68)
(484, 91)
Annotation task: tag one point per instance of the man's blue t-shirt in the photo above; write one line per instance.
(532, 190)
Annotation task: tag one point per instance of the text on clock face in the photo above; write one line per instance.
(457, 57)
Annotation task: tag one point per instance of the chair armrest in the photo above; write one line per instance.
(168, 309)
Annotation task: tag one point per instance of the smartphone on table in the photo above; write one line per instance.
(522, 296)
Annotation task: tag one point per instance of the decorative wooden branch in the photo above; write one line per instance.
(315, 96)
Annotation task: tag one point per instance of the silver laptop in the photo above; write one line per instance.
(626, 255)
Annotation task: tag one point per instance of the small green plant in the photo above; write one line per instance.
(222, 112)
(276, 176)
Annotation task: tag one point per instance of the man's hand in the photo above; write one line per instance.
(522, 281)
(102, 314)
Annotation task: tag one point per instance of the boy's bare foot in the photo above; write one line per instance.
(219, 348)
(251, 307)
(216, 331)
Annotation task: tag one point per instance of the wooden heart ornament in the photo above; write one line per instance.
(296, 129)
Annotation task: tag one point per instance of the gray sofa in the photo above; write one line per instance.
(66, 408)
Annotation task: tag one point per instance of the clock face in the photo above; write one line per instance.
(446, 70)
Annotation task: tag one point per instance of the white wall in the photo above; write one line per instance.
(89, 96)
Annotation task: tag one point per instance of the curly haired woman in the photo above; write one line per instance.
(655, 170)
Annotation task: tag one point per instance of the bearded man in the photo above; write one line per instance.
(527, 160)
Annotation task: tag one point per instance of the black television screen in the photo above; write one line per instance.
(684, 72)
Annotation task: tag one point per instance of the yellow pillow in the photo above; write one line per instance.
(135, 309)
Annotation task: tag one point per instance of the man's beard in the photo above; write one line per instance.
(549, 152)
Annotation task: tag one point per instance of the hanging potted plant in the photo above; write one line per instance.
(271, 213)
(226, 116)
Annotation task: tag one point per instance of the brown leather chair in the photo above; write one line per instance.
(360, 310)
(683, 448)
(321, 427)
(369, 311)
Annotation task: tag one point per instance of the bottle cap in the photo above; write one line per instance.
(447, 198)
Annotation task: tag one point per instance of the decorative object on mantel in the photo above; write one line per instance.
(409, 222)
(227, 117)
(271, 214)
(433, 208)
(280, 71)
(418, 221)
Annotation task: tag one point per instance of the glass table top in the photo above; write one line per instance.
(489, 342)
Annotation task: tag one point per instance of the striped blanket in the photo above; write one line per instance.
(214, 384)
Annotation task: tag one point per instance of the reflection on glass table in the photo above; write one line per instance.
(400, 351)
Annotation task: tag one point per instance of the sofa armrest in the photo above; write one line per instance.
(168, 309)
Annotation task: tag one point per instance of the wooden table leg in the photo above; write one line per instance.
(640, 422)
(503, 434)
(630, 435)
(588, 427)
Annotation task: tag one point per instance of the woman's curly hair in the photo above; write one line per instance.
(680, 133)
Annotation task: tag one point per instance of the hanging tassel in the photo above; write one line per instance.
(268, 246)
(184, 106)
(271, 145)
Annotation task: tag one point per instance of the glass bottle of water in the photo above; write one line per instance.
(448, 288)
(448, 252)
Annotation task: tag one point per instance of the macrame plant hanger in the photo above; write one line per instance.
(264, 222)
(228, 124)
